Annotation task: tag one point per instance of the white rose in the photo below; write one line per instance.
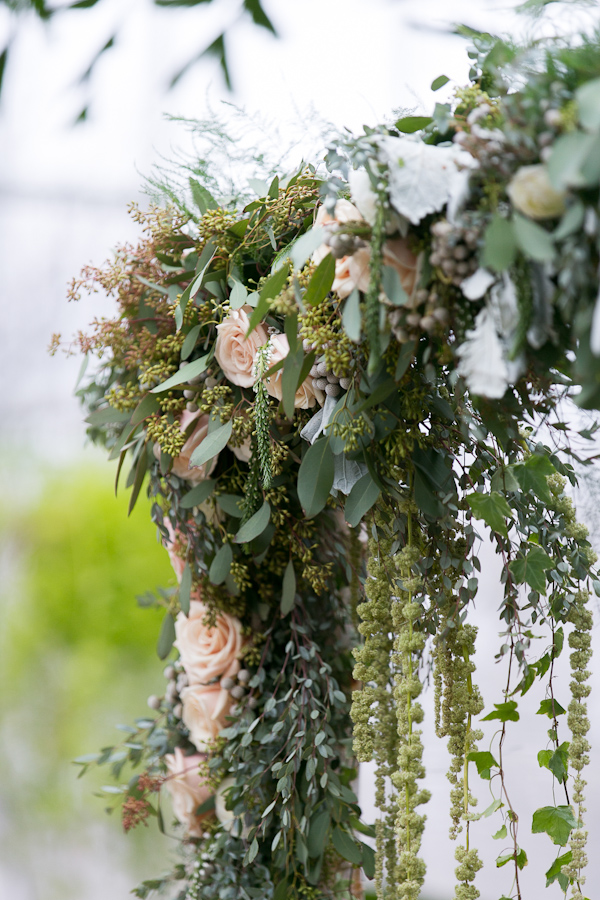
(204, 710)
(235, 352)
(532, 194)
(187, 789)
(208, 653)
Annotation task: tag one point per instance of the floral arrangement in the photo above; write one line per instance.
(331, 392)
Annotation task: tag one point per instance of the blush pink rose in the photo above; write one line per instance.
(173, 546)
(187, 789)
(307, 394)
(236, 353)
(181, 464)
(204, 709)
(208, 653)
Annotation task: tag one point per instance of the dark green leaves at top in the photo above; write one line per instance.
(550, 708)
(259, 16)
(321, 281)
(410, 124)
(255, 525)
(504, 712)
(556, 761)
(554, 873)
(556, 821)
(288, 592)
(318, 832)
(500, 247)
(531, 568)
(361, 498)
(532, 475)
(315, 477)
(492, 508)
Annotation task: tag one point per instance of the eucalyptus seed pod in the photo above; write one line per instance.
(237, 692)
(154, 702)
(227, 683)
(332, 390)
(244, 676)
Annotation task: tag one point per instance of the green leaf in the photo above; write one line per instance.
(238, 295)
(232, 504)
(532, 475)
(410, 124)
(534, 241)
(221, 565)
(531, 569)
(554, 872)
(166, 636)
(318, 832)
(368, 861)
(190, 341)
(259, 16)
(255, 525)
(288, 589)
(492, 808)
(505, 712)
(361, 498)
(588, 102)
(555, 821)
(392, 286)
(500, 834)
(321, 281)
(212, 444)
(405, 356)
(566, 161)
(107, 415)
(140, 473)
(185, 589)
(203, 198)
(272, 287)
(550, 708)
(351, 317)
(346, 846)
(304, 246)
(500, 248)
(315, 477)
(559, 763)
(492, 508)
(571, 221)
(484, 761)
(146, 407)
(439, 82)
(183, 375)
(520, 858)
(292, 368)
(252, 852)
(198, 494)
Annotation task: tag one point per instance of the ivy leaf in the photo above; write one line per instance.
(166, 636)
(500, 834)
(557, 762)
(520, 858)
(532, 475)
(555, 821)
(288, 589)
(484, 762)
(554, 872)
(315, 477)
(185, 589)
(255, 525)
(531, 568)
(212, 444)
(550, 708)
(492, 508)
(505, 712)
(321, 281)
(221, 564)
(346, 846)
(361, 498)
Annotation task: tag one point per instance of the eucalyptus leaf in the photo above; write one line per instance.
(534, 241)
(361, 499)
(255, 525)
(185, 589)
(198, 494)
(288, 589)
(351, 317)
(315, 477)
(500, 246)
(346, 846)
(183, 375)
(190, 341)
(221, 565)
(166, 636)
(321, 281)
(212, 444)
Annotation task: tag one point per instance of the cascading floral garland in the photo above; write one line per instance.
(329, 399)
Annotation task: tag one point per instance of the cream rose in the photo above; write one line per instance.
(532, 194)
(307, 394)
(204, 711)
(208, 653)
(355, 270)
(226, 816)
(236, 353)
(187, 789)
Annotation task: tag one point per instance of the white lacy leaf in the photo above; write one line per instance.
(475, 286)
(319, 422)
(346, 473)
(505, 306)
(481, 358)
(422, 177)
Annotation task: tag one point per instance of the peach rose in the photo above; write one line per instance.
(208, 653)
(204, 710)
(181, 463)
(344, 282)
(173, 546)
(354, 271)
(236, 353)
(307, 394)
(187, 789)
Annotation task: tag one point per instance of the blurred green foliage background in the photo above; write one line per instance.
(76, 657)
